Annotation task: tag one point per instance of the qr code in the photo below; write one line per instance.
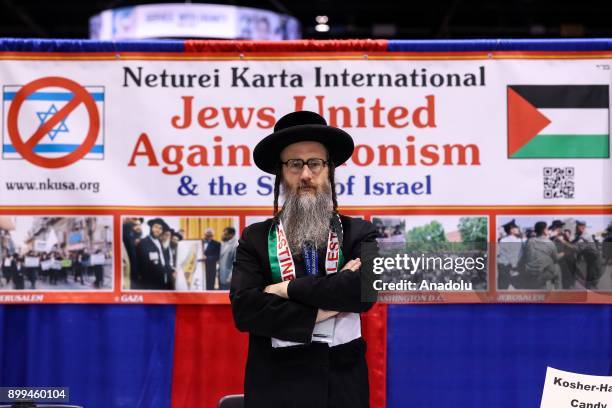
(559, 182)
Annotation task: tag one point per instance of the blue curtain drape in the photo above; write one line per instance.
(483, 356)
(108, 355)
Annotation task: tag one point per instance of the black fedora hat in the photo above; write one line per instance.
(159, 221)
(299, 127)
(176, 234)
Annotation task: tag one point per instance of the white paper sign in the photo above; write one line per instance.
(189, 271)
(32, 262)
(97, 259)
(40, 245)
(566, 389)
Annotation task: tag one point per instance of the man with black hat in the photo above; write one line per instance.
(132, 230)
(174, 240)
(168, 254)
(508, 255)
(151, 265)
(18, 271)
(290, 287)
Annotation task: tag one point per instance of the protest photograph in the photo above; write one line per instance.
(182, 254)
(56, 253)
(554, 253)
(441, 244)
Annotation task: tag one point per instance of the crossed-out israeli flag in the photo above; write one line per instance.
(66, 136)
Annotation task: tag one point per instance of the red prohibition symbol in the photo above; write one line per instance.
(25, 147)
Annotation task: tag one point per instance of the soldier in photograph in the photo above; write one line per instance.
(541, 257)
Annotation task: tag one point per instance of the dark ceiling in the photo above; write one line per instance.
(353, 19)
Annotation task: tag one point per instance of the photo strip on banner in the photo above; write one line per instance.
(554, 253)
(160, 197)
(423, 257)
(56, 253)
(178, 253)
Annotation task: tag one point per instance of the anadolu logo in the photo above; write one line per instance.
(558, 121)
(53, 122)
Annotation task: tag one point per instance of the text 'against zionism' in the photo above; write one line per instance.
(204, 121)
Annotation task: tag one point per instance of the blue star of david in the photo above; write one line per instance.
(61, 127)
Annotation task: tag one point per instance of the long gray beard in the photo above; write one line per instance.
(306, 218)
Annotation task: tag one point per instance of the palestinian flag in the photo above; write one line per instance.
(558, 121)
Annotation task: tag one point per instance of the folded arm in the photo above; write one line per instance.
(265, 314)
(339, 291)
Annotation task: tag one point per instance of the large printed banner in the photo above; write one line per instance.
(99, 149)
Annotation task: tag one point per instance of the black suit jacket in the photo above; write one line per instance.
(151, 271)
(17, 274)
(212, 252)
(311, 375)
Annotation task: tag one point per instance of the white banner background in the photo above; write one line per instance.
(463, 115)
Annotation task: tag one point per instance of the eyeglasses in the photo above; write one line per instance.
(295, 166)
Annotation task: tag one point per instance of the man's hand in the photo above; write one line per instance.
(279, 289)
(325, 314)
(353, 264)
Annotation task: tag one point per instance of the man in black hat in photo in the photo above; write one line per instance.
(131, 233)
(174, 240)
(151, 265)
(296, 284)
(168, 254)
